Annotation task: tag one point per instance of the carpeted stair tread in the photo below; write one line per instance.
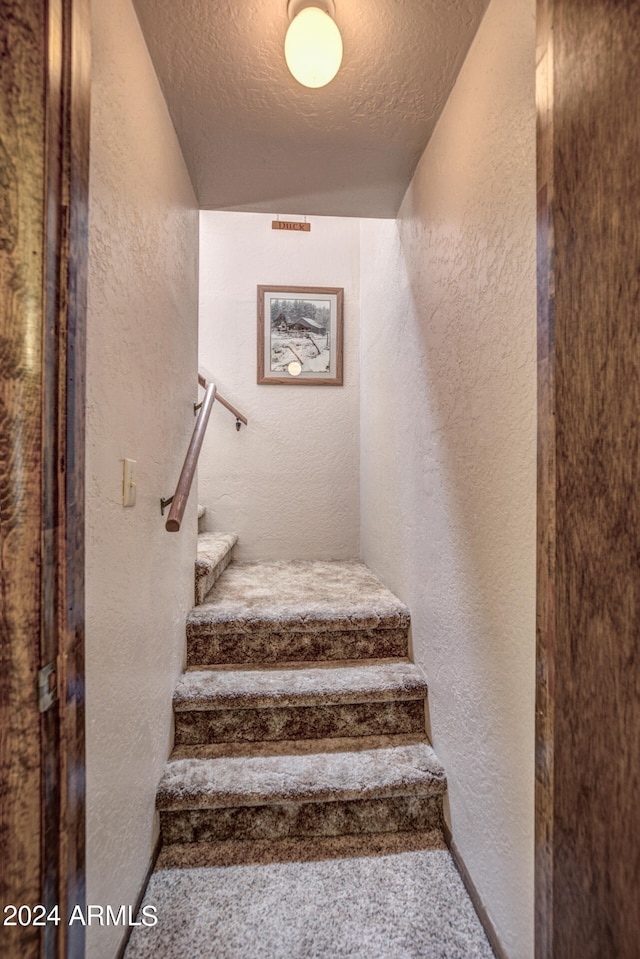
(199, 855)
(295, 747)
(299, 596)
(214, 555)
(307, 703)
(212, 547)
(191, 784)
(209, 689)
(296, 664)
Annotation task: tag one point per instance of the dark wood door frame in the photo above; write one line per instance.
(44, 151)
(588, 615)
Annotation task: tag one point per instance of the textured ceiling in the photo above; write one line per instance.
(255, 140)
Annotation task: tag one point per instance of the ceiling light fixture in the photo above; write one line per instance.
(313, 45)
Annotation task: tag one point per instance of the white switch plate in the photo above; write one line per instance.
(128, 483)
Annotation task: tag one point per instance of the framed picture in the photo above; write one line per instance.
(300, 335)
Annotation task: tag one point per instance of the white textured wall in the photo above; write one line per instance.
(448, 449)
(289, 484)
(142, 362)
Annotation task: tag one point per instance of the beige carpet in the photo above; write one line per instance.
(332, 900)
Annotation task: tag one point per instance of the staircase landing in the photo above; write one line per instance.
(305, 590)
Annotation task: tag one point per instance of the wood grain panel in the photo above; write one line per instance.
(44, 146)
(72, 468)
(546, 475)
(22, 115)
(588, 697)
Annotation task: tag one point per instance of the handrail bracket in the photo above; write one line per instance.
(164, 503)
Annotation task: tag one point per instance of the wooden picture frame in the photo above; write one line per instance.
(300, 335)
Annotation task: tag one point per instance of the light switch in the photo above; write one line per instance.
(128, 483)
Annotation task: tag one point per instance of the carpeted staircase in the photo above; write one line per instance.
(300, 714)
(301, 809)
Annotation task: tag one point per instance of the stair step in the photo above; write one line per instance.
(214, 555)
(295, 747)
(302, 610)
(225, 689)
(392, 789)
(250, 706)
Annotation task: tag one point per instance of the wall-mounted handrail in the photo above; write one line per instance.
(179, 499)
(240, 417)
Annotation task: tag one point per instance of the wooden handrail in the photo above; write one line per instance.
(240, 417)
(179, 499)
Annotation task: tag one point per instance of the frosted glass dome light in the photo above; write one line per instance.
(313, 45)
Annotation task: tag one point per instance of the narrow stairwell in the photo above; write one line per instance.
(299, 714)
